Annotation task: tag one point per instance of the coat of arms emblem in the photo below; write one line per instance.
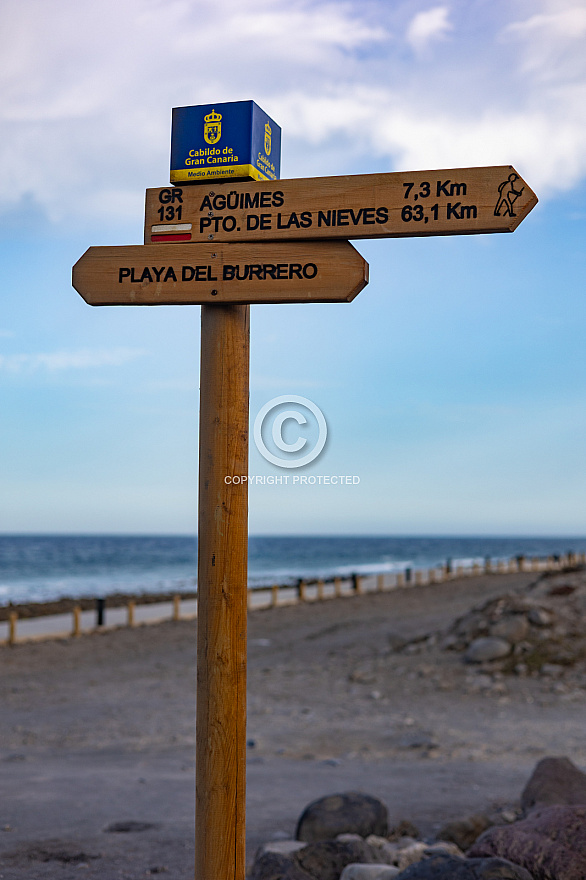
(268, 139)
(212, 128)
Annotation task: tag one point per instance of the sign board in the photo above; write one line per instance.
(180, 274)
(408, 203)
(233, 141)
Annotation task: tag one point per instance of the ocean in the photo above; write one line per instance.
(37, 568)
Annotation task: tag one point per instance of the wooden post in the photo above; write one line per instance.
(12, 618)
(380, 583)
(130, 612)
(222, 590)
(301, 591)
(320, 590)
(275, 595)
(76, 631)
(176, 607)
(337, 587)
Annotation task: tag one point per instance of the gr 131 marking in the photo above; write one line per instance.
(457, 201)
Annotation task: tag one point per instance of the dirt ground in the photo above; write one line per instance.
(97, 733)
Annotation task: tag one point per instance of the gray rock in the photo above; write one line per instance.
(285, 847)
(553, 670)
(549, 843)
(335, 814)
(487, 648)
(277, 866)
(513, 628)
(554, 781)
(440, 867)
(385, 850)
(369, 872)
(327, 859)
(540, 617)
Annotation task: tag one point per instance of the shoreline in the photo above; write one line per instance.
(407, 577)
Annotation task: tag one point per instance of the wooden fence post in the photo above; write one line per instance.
(76, 629)
(12, 618)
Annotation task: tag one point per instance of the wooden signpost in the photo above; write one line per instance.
(224, 246)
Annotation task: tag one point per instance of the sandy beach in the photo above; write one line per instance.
(97, 733)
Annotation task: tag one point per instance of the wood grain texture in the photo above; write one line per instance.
(451, 201)
(187, 274)
(222, 595)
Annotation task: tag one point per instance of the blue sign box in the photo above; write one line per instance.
(232, 141)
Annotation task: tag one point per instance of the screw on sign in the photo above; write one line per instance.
(226, 243)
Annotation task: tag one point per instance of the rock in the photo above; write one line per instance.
(417, 851)
(285, 847)
(487, 648)
(315, 861)
(513, 628)
(540, 617)
(554, 781)
(463, 832)
(440, 867)
(327, 859)
(549, 843)
(386, 851)
(369, 872)
(335, 814)
(277, 866)
(553, 670)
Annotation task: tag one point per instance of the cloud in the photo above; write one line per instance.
(428, 26)
(88, 91)
(68, 360)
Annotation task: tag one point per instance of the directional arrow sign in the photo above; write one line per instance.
(176, 274)
(411, 203)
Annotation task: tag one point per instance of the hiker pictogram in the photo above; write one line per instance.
(508, 196)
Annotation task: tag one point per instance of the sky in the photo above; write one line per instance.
(453, 387)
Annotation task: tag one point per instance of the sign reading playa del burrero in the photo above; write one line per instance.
(231, 141)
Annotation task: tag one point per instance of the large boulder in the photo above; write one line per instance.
(335, 814)
(554, 781)
(549, 843)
